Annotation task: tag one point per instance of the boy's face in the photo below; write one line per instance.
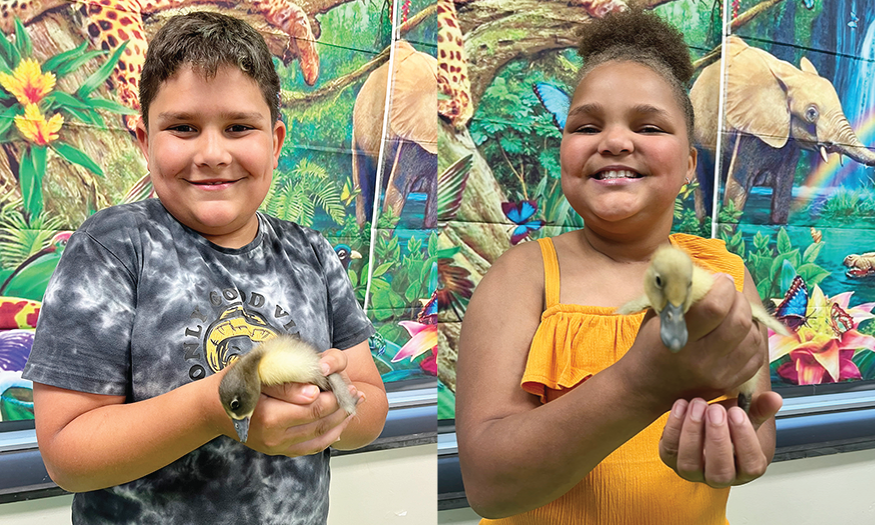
(211, 149)
(625, 151)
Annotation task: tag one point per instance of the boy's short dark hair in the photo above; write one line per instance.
(206, 41)
(641, 36)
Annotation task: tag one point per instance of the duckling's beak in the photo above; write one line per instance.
(673, 328)
(242, 428)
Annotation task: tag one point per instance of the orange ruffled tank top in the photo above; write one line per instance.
(632, 486)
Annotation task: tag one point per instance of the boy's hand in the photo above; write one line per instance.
(712, 445)
(296, 419)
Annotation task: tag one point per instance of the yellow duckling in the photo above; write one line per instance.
(672, 283)
(280, 359)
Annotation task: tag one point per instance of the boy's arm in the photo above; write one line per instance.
(370, 415)
(92, 441)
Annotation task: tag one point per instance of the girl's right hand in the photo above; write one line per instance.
(725, 348)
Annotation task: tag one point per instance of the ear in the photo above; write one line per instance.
(807, 66)
(691, 163)
(143, 138)
(756, 101)
(279, 135)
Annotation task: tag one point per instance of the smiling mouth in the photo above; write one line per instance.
(617, 174)
(211, 183)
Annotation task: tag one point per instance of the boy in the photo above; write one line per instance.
(152, 300)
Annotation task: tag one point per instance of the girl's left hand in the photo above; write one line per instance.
(712, 445)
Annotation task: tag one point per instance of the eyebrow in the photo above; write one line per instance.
(236, 115)
(595, 108)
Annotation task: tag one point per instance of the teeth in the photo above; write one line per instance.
(622, 174)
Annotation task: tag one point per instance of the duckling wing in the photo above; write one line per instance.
(634, 306)
(290, 360)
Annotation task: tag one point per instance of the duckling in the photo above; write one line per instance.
(280, 359)
(672, 283)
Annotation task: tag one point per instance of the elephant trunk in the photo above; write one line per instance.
(845, 142)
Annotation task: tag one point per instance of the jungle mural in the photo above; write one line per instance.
(786, 182)
(69, 77)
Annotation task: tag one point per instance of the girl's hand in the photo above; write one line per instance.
(296, 419)
(712, 445)
(725, 349)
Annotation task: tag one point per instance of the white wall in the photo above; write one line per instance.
(835, 489)
(371, 488)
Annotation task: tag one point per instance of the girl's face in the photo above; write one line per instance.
(625, 150)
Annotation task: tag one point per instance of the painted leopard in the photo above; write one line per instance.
(108, 23)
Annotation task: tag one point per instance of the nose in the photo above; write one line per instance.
(212, 150)
(616, 140)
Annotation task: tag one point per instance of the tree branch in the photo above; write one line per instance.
(336, 85)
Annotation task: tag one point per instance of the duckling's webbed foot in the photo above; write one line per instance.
(744, 401)
(341, 391)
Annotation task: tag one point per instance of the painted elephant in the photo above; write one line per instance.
(772, 111)
(410, 157)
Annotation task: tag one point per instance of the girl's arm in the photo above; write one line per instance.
(719, 444)
(517, 454)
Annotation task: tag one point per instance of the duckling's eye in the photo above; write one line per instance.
(658, 281)
(235, 404)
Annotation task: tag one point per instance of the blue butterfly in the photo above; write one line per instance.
(853, 23)
(521, 213)
(555, 100)
(809, 4)
(792, 309)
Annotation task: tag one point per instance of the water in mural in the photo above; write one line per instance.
(795, 187)
(68, 106)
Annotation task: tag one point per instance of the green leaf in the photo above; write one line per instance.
(865, 361)
(791, 256)
(115, 107)
(76, 156)
(812, 252)
(63, 101)
(88, 117)
(31, 184)
(79, 61)
(16, 404)
(23, 43)
(11, 56)
(381, 270)
(784, 245)
(53, 63)
(8, 118)
(100, 76)
(812, 273)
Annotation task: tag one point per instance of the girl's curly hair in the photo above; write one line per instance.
(640, 36)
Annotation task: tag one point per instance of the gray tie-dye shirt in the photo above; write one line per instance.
(140, 305)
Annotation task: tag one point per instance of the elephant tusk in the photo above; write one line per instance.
(841, 159)
(824, 154)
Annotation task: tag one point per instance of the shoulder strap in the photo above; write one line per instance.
(551, 271)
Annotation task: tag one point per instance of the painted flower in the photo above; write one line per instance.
(35, 128)
(28, 83)
(821, 350)
(423, 337)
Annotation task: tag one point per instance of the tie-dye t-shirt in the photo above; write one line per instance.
(140, 305)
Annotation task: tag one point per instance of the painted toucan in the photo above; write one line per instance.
(672, 283)
(280, 359)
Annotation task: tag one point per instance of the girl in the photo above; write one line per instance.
(574, 414)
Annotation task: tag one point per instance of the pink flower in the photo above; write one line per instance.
(423, 339)
(821, 350)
